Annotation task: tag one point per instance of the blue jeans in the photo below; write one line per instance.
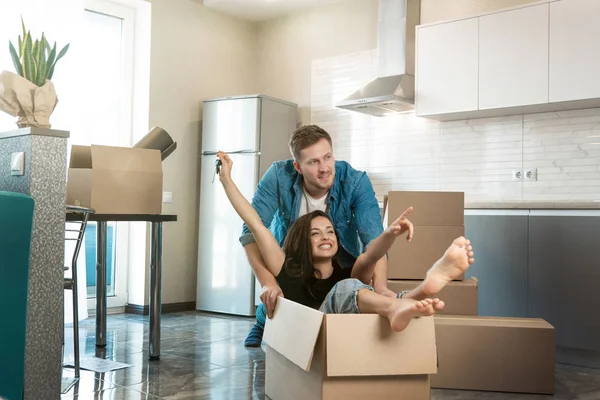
(342, 298)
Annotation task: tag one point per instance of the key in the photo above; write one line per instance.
(217, 169)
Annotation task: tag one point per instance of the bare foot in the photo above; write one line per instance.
(403, 310)
(455, 261)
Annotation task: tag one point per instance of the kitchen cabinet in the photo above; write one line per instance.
(541, 264)
(499, 240)
(564, 276)
(574, 50)
(513, 57)
(446, 67)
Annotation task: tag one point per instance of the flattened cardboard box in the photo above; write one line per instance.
(460, 297)
(311, 355)
(115, 180)
(495, 354)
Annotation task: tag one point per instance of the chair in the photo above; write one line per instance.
(16, 222)
(71, 283)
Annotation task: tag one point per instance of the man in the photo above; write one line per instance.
(313, 180)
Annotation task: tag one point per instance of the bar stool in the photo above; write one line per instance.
(71, 283)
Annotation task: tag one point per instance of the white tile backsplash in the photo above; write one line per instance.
(477, 156)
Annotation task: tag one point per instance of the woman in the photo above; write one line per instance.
(308, 273)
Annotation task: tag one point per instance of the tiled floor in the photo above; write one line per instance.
(203, 357)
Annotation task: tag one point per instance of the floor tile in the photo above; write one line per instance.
(203, 357)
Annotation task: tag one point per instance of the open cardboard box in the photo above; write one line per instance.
(115, 180)
(312, 355)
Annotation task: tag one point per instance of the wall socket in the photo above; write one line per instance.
(517, 175)
(531, 174)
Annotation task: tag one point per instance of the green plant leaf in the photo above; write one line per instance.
(15, 58)
(42, 65)
(35, 56)
(50, 63)
(20, 46)
(22, 49)
(62, 52)
(60, 55)
(28, 59)
(23, 25)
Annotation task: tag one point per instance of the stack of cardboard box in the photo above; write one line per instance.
(438, 219)
(474, 353)
(311, 355)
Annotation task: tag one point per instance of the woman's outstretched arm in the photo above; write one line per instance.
(268, 246)
(365, 263)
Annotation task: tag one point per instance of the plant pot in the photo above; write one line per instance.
(21, 98)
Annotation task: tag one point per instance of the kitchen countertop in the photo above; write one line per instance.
(533, 205)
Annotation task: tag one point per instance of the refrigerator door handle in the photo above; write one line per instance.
(213, 153)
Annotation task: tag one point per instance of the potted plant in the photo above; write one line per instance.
(29, 94)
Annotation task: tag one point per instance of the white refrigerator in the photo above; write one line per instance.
(254, 130)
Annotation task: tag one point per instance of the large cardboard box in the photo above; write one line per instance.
(460, 297)
(438, 219)
(115, 180)
(412, 260)
(495, 354)
(311, 355)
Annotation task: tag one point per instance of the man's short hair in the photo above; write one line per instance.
(306, 136)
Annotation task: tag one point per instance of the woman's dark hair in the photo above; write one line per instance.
(298, 250)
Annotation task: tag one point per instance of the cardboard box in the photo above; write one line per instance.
(311, 355)
(413, 260)
(115, 180)
(438, 219)
(430, 208)
(460, 297)
(495, 354)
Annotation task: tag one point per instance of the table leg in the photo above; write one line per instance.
(101, 284)
(155, 289)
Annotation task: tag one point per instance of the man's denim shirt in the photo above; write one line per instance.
(353, 207)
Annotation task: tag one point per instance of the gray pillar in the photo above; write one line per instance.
(44, 180)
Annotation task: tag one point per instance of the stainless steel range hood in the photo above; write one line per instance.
(394, 90)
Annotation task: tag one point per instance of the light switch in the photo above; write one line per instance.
(167, 197)
(17, 163)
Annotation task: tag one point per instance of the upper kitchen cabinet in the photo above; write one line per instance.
(513, 58)
(446, 67)
(574, 50)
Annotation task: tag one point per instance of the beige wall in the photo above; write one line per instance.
(287, 46)
(196, 54)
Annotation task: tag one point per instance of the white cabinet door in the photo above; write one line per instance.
(446, 69)
(574, 50)
(513, 58)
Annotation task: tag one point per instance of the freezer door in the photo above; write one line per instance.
(225, 279)
(231, 125)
